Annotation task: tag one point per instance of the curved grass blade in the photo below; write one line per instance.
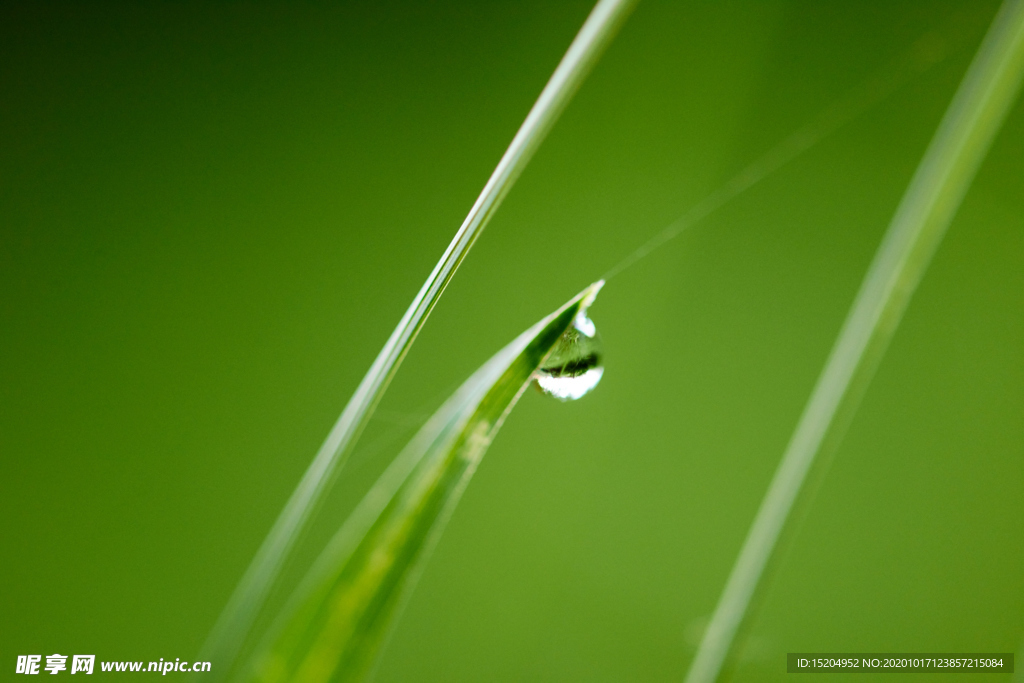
(943, 176)
(235, 622)
(334, 627)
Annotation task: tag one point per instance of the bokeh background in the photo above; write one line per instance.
(212, 215)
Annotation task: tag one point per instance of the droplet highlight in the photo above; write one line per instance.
(575, 366)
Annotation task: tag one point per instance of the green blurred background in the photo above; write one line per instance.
(212, 215)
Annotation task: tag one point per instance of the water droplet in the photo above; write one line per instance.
(575, 366)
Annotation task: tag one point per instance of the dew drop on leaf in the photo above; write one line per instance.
(575, 365)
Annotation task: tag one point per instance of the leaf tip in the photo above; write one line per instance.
(590, 293)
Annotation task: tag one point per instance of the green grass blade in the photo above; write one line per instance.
(236, 620)
(970, 123)
(335, 626)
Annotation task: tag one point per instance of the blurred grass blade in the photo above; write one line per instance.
(974, 116)
(236, 620)
(335, 626)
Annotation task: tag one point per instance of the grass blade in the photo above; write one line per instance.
(970, 123)
(335, 626)
(236, 620)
